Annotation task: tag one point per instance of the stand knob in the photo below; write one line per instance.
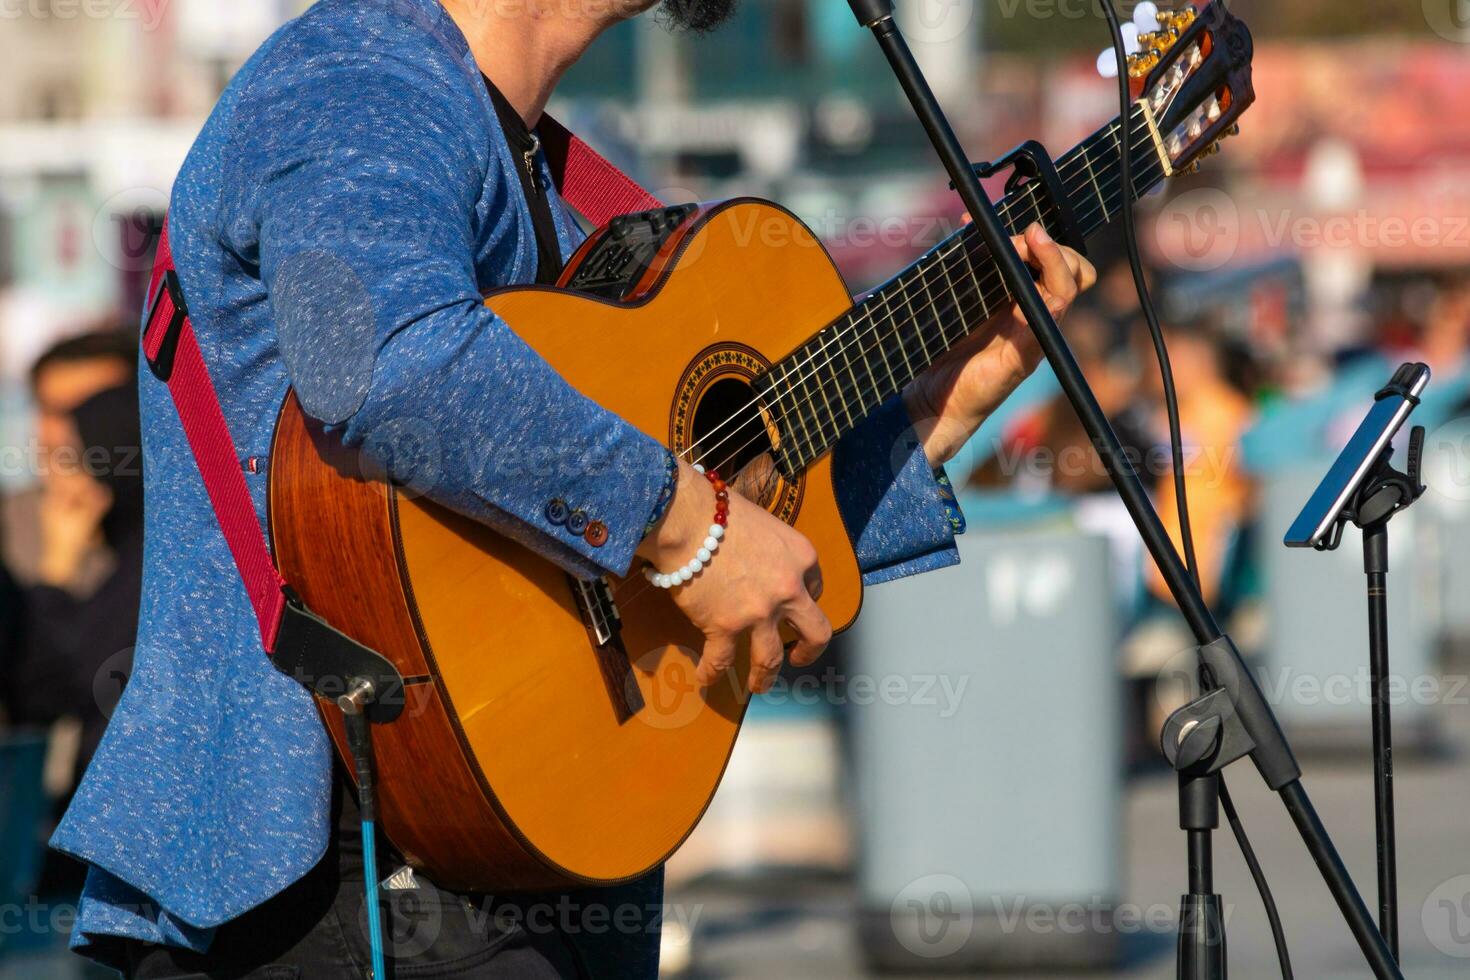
(1194, 742)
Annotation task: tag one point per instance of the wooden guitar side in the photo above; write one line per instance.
(512, 767)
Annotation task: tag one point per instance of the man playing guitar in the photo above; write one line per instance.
(367, 175)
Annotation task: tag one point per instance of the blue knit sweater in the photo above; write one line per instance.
(334, 225)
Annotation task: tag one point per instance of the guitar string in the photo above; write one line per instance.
(955, 299)
(916, 273)
(919, 276)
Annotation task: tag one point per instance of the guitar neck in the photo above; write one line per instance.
(824, 388)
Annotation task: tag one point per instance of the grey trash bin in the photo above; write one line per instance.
(988, 781)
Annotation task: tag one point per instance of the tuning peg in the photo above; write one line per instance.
(1146, 17)
(1142, 63)
(1107, 61)
(1130, 39)
(1177, 20)
(1234, 130)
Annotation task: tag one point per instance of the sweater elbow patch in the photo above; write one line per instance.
(326, 326)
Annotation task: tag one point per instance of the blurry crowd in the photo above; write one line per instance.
(72, 549)
(1252, 401)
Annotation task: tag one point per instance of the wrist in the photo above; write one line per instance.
(684, 522)
(940, 436)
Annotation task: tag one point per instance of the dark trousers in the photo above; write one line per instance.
(317, 930)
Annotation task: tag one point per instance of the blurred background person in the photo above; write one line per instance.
(77, 597)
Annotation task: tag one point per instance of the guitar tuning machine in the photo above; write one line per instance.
(1142, 63)
(1177, 20)
(1158, 41)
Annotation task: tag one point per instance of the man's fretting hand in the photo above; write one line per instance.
(948, 402)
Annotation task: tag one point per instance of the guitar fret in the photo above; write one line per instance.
(857, 348)
(979, 288)
(816, 378)
(918, 331)
(887, 366)
(865, 386)
(934, 309)
(789, 395)
(1102, 201)
(907, 364)
(949, 283)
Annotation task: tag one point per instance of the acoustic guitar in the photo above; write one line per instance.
(553, 731)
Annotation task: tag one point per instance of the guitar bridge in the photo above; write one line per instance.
(604, 627)
(599, 611)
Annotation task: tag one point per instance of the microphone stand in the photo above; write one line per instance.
(1384, 492)
(1233, 719)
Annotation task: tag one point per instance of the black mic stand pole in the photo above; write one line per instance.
(1234, 719)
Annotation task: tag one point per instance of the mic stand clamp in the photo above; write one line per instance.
(1227, 723)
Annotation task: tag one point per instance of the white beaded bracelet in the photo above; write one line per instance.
(702, 557)
(706, 553)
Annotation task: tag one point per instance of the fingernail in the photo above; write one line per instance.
(1041, 235)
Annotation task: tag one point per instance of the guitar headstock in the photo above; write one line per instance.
(1193, 76)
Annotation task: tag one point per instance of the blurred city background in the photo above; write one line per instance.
(969, 781)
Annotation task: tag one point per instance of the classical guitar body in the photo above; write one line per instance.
(547, 740)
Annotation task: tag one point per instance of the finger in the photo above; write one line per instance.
(766, 654)
(1087, 276)
(813, 633)
(1074, 263)
(1022, 249)
(1056, 275)
(718, 655)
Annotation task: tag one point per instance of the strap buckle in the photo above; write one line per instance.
(160, 355)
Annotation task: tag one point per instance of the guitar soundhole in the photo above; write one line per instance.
(729, 432)
(716, 422)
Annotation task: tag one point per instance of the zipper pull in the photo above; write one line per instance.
(530, 159)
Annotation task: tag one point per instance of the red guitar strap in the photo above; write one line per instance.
(590, 184)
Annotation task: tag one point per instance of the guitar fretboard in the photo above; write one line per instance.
(824, 388)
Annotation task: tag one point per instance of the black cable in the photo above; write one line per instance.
(1278, 935)
(1176, 446)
